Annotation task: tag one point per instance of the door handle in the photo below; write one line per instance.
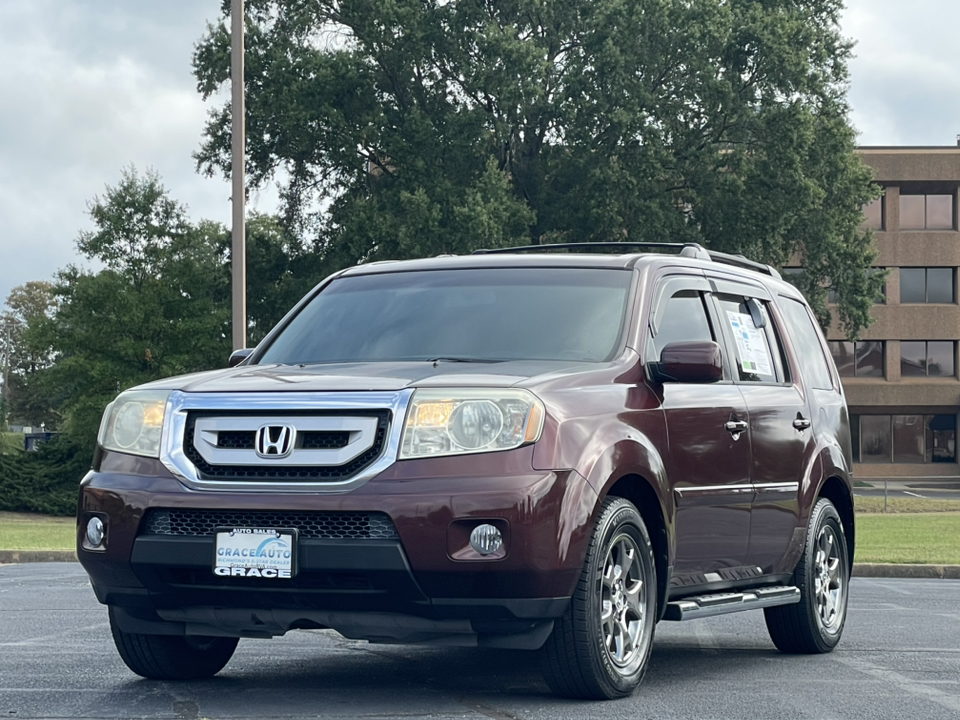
(801, 423)
(735, 426)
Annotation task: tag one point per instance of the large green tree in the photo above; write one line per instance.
(399, 128)
(159, 306)
(24, 402)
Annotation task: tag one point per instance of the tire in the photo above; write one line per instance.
(599, 649)
(814, 625)
(172, 657)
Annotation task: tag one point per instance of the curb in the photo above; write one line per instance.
(878, 570)
(871, 570)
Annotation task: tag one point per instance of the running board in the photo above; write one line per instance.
(702, 606)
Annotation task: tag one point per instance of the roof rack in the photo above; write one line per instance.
(690, 250)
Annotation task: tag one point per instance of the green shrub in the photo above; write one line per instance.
(46, 481)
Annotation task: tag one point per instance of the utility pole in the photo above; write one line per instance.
(238, 150)
(5, 397)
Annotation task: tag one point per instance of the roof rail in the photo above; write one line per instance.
(592, 246)
(690, 250)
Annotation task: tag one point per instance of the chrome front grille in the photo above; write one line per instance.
(287, 440)
(321, 525)
(219, 451)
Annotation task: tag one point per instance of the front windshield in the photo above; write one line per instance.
(466, 315)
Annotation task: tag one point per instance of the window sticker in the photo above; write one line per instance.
(752, 347)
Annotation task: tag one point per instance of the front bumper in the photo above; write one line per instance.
(423, 575)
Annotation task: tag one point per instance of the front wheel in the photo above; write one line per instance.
(172, 657)
(600, 647)
(814, 625)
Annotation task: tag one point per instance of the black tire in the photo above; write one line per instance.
(814, 625)
(172, 657)
(599, 649)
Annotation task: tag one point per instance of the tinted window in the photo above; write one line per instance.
(904, 438)
(806, 343)
(684, 319)
(875, 439)
(511, 313)
(920, 358)
(940, 285)
(908, 444)
(912, 212)
(913, 285)
(926, 285)
(873, 214)
(751, 345)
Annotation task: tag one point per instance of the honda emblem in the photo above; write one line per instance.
(275, 441)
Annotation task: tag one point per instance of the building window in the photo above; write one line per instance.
(926, 212)
(904, 438)
(858, 359)
(927, 285)
(873, 215)
(928, 358)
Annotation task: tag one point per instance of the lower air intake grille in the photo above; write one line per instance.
(322, 525)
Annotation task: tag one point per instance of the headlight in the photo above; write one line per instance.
(133, 422)
(460, 421)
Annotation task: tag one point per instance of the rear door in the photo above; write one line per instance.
(781, 437)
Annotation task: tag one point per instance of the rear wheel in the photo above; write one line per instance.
(172, 657)
(600, 647)
(814, 625)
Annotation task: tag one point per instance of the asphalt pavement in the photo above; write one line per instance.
(899, 658)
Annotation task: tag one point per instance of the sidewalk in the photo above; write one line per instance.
(874, 570)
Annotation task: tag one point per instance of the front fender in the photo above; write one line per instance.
(606, 450)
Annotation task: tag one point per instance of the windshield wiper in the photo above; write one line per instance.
(437, 360)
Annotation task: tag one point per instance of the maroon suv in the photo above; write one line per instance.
(522, 449)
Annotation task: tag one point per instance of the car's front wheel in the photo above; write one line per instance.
(172, 657)
(814, 625)
(600, 647)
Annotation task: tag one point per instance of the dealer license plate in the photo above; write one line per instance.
(255, 552)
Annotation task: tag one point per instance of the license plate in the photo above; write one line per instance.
(255, 552)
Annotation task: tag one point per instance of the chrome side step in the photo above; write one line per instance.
(701, 606)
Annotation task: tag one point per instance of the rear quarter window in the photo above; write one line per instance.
(806, 343)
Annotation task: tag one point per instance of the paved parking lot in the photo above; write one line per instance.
(900, 657)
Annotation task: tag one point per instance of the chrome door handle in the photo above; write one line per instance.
(735, 426)
(801, 423)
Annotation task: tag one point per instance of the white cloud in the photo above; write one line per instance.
(905, 89)
(91, 86)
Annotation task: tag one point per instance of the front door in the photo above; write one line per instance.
(709, 448)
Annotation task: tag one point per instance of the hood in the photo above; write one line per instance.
(355, 377)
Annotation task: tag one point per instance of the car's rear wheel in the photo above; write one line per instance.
(600, 647)
(172, 657)
(814, 625)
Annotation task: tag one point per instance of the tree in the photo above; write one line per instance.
(399, 128)
(23, 398)
(159, 306)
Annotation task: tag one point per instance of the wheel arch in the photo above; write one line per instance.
(644, 497)
(836, 491)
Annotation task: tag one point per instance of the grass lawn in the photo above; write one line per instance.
(909, 538)
(914, 530)
(26, 531)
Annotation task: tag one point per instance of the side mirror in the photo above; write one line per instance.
(690, 362)
(238, 356)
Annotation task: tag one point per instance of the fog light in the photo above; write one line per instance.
(485, 539)
(94, 532)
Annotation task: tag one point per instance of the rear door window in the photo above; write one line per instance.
(751, 339)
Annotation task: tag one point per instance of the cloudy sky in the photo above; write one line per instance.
(88, 87)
